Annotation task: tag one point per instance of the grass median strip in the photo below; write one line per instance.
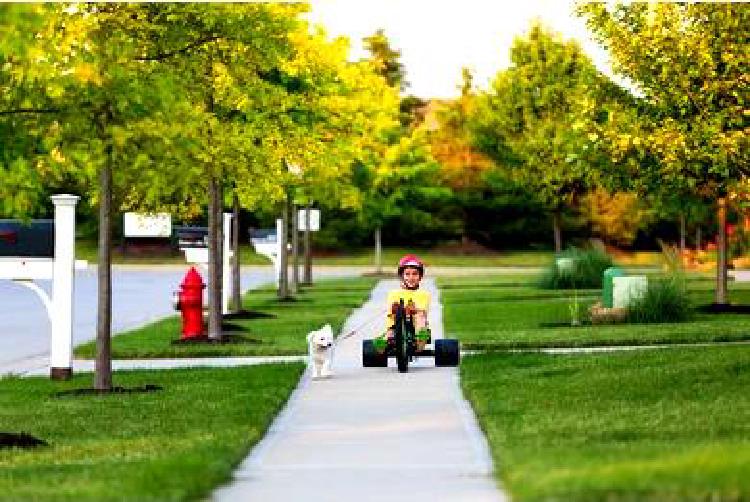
(500, 313)
(661, 425)
(273, 327)
(177, 443)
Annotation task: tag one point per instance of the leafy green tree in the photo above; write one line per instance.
(82, 78)
(537, 117)
(228, 69)
(689, 63)
(27, 112)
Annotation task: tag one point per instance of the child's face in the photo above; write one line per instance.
(411, 277)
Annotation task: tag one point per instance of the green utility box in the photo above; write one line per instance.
(607, 284)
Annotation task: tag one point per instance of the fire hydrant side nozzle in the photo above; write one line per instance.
(190, 304)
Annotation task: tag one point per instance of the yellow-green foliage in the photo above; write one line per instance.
(615, 217)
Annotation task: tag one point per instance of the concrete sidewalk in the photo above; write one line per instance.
(371, 433)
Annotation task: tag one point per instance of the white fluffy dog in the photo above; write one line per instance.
(320, 350)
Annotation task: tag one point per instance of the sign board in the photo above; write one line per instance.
(314, 220)
(35, 239)
(147, 225)
(266, 242)
(191, 237)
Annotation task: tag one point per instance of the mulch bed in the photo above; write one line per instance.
(89, 391)
(564, 324)
(724, 308)
(226, 338)
(20, 440)
(248, 314)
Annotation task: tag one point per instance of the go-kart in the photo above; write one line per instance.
(405, 344)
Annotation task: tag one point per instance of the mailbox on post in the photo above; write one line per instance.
(27, 249)
(191, 237)
(266, 243)
(44, 250)
(35, 239)
(193, 241)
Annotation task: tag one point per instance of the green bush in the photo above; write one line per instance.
(586, 272)
(665, 300)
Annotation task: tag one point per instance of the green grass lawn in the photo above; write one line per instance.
(86, 249)
(279, 329)
(173, 444)
(438, 258)
(656, 425)
(503, 312)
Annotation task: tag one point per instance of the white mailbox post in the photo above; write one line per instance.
(628, 288)
(226, 275)
(63, 286)
(59, 265)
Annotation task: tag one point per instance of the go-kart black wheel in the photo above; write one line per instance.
(371, 358)
(402, 354)
(401, 340)
(447, 352)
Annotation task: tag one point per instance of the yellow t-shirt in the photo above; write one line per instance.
(420, 298)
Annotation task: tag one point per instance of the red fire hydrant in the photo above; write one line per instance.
(189, 301)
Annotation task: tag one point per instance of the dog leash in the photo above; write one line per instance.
(369, 321)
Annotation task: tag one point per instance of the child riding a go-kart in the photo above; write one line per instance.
(407, 332)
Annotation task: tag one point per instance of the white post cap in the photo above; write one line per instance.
(65, 200)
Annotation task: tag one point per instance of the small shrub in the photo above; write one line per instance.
(586, 271)
(665, 300)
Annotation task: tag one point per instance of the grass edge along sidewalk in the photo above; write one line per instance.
(177, 443)
(642, 425)
(274, 328)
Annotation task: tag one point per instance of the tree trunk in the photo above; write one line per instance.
(308, 251)
(720, 296)
(236, 278)
(683, 233)
(378, 252)
(283, 290)
(557, 229)
(215, 245)
(698, 238)
(215, 228)
(295, 250)
(103, 365)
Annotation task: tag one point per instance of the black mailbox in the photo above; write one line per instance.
(262, 234)
(34, 239)
(191, 237)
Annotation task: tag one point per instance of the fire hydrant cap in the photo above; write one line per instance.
(193, 279)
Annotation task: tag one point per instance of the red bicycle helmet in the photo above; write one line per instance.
(410, 261)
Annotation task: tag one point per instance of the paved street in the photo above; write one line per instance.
(372, 433)
(140, 294)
